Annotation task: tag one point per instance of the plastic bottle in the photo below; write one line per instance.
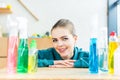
(32, 59)
(103, 50)
(117, 59)
(112, 47)
(93, 56)
(12, 45)
(93, 53)
(22, 62)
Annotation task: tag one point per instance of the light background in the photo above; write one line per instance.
(85, 14)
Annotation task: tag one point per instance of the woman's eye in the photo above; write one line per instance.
(64, 39)
(54, 40)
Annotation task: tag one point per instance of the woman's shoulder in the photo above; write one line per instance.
(47, 50)
(45, 53)
(77, 49)
(81, 52)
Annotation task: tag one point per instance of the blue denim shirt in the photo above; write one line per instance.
(46, 57)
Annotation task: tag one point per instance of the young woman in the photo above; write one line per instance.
(64, 52)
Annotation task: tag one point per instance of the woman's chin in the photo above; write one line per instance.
(64, 54)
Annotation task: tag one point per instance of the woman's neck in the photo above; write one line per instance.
(68, 56)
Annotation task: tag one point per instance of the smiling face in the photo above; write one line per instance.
(63, 41)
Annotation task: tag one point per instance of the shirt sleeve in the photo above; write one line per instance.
(45, 58)
(44, 62)
(82, 61)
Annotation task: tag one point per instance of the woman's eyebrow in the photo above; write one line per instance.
(54, 38)
(61, 37)
(64, 36)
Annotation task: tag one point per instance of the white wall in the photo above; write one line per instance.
(83, 13)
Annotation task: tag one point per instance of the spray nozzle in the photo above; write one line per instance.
(112, 33)
(33, 44)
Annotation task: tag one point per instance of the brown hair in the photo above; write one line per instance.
(63, 23)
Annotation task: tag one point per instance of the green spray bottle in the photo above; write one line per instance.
(22, 61)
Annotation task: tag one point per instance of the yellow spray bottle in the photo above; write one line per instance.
(32, 58)
(112, 47)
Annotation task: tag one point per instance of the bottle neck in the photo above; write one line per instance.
(23, 43)
(113, 38)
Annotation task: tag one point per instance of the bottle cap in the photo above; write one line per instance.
(33, 44)
(112, 33)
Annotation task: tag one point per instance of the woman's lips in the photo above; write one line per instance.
(62, 50)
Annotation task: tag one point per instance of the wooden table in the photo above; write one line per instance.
(58, 74)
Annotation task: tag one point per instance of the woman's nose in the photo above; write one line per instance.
(59, 43)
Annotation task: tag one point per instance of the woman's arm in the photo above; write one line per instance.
(45, 58)
(82, 61)
(63, 64)
(56, 63)
(44, 62)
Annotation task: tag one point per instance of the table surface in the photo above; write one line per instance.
(58, 74)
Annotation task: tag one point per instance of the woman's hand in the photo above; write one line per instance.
(63, 64)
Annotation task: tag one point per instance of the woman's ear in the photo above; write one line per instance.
(75, 38)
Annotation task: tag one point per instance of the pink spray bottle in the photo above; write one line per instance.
(12, 44)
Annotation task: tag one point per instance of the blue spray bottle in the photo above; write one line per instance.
(93, 53)
(93, 56)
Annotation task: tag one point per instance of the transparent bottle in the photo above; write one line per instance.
(103, 50)
(112, 47)
(32, 58)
